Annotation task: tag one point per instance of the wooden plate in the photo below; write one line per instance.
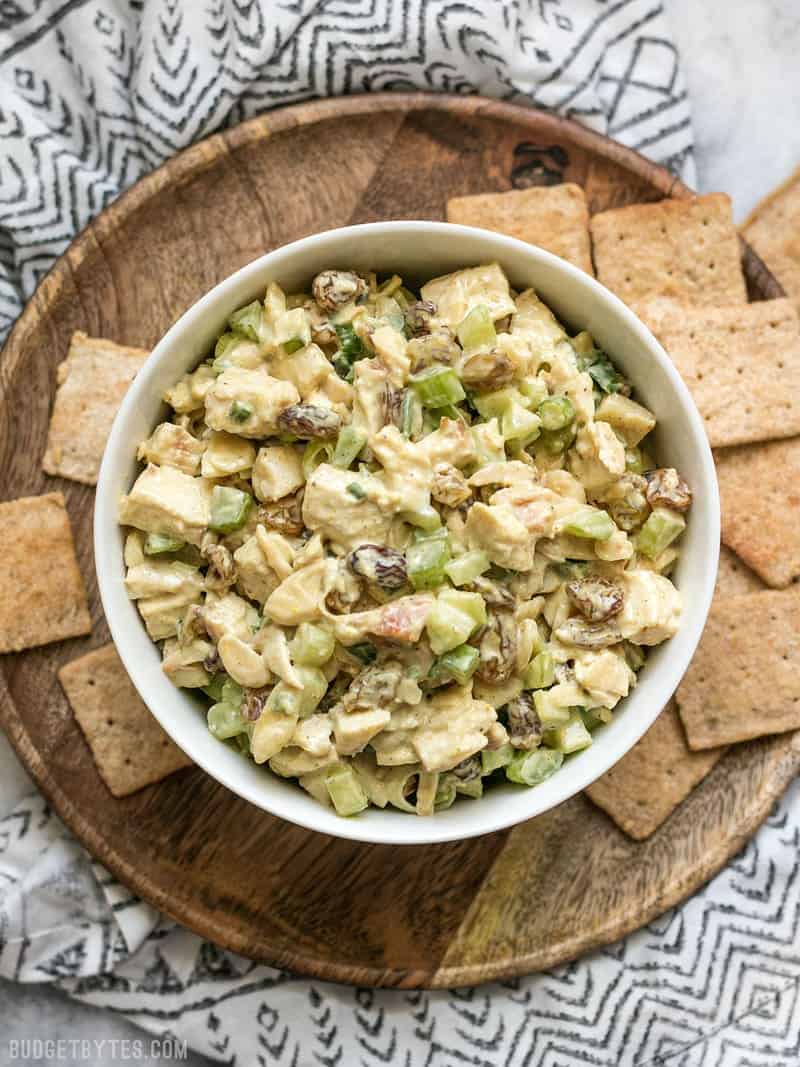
(444, 915)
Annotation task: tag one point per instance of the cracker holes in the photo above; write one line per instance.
(127, 761)
(109, 722)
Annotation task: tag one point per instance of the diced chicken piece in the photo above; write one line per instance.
(451, 443)
(605, 676)
(134, 549)
(293, 761)
(452, 727)
(629, 419)
(226, 454)
(183, 664)
(341, 517)
(652, 609)
(352, 730)
(272, 732)
(229, 614)
(501, 535)
(407, 471)
(300, 597)
(488, 442)
(242, 662)
(370, 384)
(244, 353)
(274, 646)
(399, 620)
(536, 324)
(165, 500)
(565, 378)
(456, 294)
(189, 393)
(306, 369)
(313, 735)
(255, 578)
(505, 472)
(277, 472)
(549, 702)
(497, 693)
(278, 552)
(157, 577)
(616, 547)
(338, 392)
(248, 402)
(161, 614)
(394, 749)
(565, 484)
(173, 446)
(390, 346)
(598, 456)
(536, 507)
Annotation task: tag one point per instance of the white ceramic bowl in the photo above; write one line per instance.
(417, 251)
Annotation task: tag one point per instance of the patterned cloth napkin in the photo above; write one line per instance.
(92, 96)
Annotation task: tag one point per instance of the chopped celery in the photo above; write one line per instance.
(224, 721)
(351, 349)
(493, 759)
(356, 490)
(517, 423)
(555, 441)
(634, 656)
(348, 445)
(427, 519)
(473, 788)
(494, 405)
(247, 321)
(365, 653)
(660, 530)
(584, 346)
(540, 672)
(232, 692)
(345, 790)
(460, 663)
(224, 342)
(477, 330)
(592, 717)
(437, 386)
(606, 376)
(214, 687)
(229, 509)
(556, 412)
(156, 544)
(634, 461)
(571, 736)
(590, 523)
(465, 569)
(311, 645)
(534, 390)
(445, 792)
(293, 331)
(550, 714)
(426, 560)
(472, 604)
(532, 768)
(315, 453)
(410, 414)
(303, 701)
(448, 627)
(240, 412)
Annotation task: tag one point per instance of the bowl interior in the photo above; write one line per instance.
(417, 251)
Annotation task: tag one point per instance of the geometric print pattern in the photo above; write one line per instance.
(93, 95)
(713, 983)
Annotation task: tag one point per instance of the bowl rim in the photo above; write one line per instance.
(432, 830)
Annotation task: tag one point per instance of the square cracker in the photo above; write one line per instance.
(92, 381)
(773, 229)
(759, 489)
(647, 785)
(734, 577)
(555, 217)
(741, 363)
(42, 595)
(128, 746)
(684, 249)
(744, 680)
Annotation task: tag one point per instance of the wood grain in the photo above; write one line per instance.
(443, 915)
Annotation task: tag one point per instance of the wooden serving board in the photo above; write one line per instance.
(444, 915)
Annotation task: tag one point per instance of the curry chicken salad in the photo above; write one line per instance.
(404, 543)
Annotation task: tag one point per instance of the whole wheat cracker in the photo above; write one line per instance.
(92, 381)
(760, 495)
(127, 744)
(734, 576)
(684, 249)
(744, 680)
(649, 782)
(554, 217)
(42, 595)
(773, 230)
(741, 363)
